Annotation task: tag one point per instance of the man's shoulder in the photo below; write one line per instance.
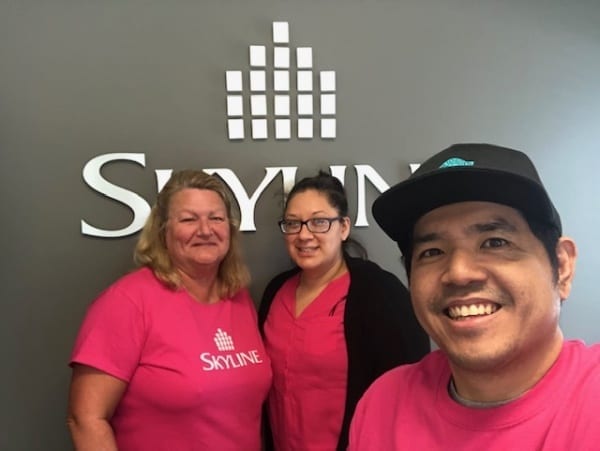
(580, 354)
(424, 373)
(583, 363)
(579, 364)
(580, 394)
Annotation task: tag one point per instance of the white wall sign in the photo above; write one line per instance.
(286, 73)
(304, 123)
(247, 202)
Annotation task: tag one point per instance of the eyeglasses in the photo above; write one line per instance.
(314, 225)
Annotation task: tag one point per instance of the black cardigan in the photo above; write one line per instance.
(379, 325)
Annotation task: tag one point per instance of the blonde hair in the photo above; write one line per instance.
(151, 249)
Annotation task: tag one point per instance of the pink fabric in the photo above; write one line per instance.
(409, 408)
(184, 393)
(310, 367)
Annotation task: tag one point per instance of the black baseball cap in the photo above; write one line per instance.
(460, 173)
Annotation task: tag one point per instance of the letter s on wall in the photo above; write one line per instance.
(94, 179)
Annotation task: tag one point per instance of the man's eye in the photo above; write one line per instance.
(217, 218)
(186, 219)
(427, 253)
(494, 242)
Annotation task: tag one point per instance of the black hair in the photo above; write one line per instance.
(334, 191)
(547, 234)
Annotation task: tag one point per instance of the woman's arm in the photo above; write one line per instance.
(93, 397)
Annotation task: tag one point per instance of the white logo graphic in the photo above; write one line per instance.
(223, 341)
(229, 360)
(280, 109)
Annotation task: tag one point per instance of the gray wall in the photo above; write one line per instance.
(79, 79)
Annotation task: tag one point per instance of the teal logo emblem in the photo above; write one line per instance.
(454, 162)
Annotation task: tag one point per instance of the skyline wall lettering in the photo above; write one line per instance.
(247, 203)
(271, 61)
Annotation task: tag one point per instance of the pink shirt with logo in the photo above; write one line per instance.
(310, 367)
(197, 373)
(409, 408)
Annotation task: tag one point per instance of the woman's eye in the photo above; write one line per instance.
(187, 219)
(319, 222)
(217, 218)
(494, 242)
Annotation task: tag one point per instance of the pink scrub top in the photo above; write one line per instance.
(310, 367)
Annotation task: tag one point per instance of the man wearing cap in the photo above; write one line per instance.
(488, 270)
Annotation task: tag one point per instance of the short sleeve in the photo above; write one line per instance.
(112, 335)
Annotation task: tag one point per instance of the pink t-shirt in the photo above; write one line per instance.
(310, 367)
(409, 408)
(197, 373)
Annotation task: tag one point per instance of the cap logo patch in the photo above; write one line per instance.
(453, 162)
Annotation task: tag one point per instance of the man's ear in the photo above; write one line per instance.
(566, 253)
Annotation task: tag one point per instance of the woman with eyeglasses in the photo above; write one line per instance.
(331, 325)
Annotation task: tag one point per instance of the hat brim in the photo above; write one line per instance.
(400, 207)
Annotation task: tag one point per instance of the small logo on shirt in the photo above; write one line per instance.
(228, 360)
(223, 341)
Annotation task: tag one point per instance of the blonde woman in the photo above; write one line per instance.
(169, 356)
